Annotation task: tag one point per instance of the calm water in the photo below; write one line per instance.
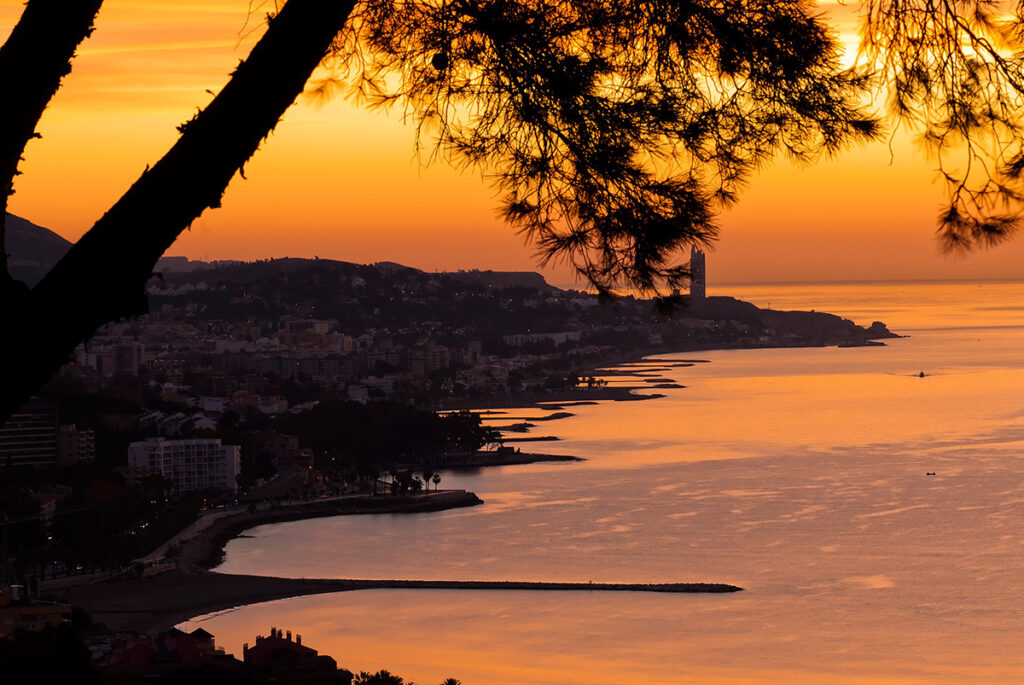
(797, 474)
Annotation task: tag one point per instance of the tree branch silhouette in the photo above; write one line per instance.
(102, 278)
(614, 129)
(33, 61)
(953, 70)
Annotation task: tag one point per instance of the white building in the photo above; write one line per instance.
(194, 464)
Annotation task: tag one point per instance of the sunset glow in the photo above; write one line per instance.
(242, 440)
(342, 182)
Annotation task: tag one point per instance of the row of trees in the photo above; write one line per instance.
(365, 439)
(404, 481)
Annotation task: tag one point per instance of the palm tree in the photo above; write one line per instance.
(382, 677)
(451, 681)
(436, 478)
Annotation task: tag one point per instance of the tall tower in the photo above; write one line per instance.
(698, 274)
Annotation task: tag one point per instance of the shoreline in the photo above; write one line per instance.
(152, 604)
(557, 399)
(205, 550)
(567, 397)
(513, 459)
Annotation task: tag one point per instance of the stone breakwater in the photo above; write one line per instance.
(536, 585)
(151, 605)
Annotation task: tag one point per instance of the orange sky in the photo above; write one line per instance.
(340, 182)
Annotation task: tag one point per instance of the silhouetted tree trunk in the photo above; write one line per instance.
(103, 276)
(36, 56)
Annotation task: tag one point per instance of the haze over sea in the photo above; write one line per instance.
(798, 474)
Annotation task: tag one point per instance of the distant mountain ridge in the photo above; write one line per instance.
(194, 270)
(32, 250)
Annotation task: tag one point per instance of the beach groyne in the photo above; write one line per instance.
(151, 605)
(684, 588)
(508, 458)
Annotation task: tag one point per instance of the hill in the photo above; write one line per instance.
(502, 279)
(32, 249)
(387, 294)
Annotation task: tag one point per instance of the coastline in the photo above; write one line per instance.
(190, 588)
(205, 550)
(155, 603)
(187, 587)
(557, 399)
(567, 397)
(481, 459)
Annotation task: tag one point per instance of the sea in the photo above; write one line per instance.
(873, 516)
